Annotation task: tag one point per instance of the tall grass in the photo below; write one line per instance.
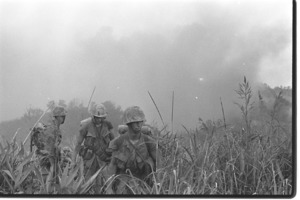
(20, 173)
(215, 159)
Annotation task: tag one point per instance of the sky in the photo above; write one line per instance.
(200, 49)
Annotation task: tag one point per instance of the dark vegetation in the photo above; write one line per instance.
(76, 112)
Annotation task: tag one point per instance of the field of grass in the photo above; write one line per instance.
(215, 159)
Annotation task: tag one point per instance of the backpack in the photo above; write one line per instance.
(35, 134)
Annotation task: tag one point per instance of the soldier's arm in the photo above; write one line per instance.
(113, 148)
(110, 128)
(111, 168)
(152, 148)
(79, 140)
(111, 136)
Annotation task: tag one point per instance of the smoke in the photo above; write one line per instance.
(200, 62)
(199, 50)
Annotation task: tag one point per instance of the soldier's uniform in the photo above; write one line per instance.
(93, 141)
(47, 139)
(139, 157)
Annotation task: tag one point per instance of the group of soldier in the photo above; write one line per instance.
(132, 153)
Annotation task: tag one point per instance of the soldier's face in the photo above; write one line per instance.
(61, 119)
(98, 120)
(136, 126)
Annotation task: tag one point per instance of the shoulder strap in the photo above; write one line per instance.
(136, 150)
(150, 162)
(100, 138)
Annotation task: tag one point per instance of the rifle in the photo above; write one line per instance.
(91, 97)
(31, 144)
(77, 152)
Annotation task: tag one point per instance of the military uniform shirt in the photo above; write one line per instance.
(48, 138)
(136, 158)
(95, 138)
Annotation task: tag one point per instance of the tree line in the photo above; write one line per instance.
(76, 112)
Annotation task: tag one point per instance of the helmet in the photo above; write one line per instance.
(98, 110)
(133, 114)
(122, 129)
(59, 111)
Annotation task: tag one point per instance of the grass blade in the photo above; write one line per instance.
(156, 108)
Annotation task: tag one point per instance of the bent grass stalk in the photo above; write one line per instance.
(156, 108)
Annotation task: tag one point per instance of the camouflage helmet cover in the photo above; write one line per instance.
(133, 114)
(98, 110)
(59, 111)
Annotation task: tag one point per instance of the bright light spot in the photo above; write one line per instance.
(196, 97)
(118, 87)
(201, 79)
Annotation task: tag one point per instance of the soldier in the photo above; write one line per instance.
(47, 139)
(132, 151)
(92, 142)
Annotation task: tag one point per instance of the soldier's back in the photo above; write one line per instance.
(37, 136)
(46, 138)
